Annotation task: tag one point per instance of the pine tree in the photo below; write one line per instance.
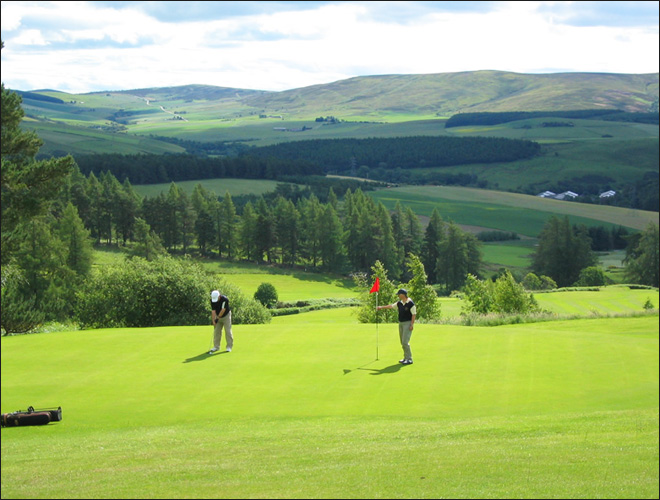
(228, 224)
(77, 240)
(332, 248)
(248, 232)
(563, 251)
(421, 293)
(643, 259)
(28, 186)
(453, 259)
(433, 236)
(287, 228)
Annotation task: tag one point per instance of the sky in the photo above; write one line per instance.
(81, 47)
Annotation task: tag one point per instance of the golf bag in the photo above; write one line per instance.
(31, 417)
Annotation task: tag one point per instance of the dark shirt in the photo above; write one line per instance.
(405, 313)
(222, 303)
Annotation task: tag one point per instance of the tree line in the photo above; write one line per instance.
(496, 118)
(157, 169)
(291, 226)
(345, 155)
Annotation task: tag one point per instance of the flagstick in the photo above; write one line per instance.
(376, 326)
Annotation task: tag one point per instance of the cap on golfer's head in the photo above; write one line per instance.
(402, 291)
(215, 295)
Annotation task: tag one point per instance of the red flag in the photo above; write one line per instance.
(376, 286)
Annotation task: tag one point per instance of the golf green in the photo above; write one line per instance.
(303, 409)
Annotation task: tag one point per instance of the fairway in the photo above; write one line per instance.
(608, 299)
(302, 409)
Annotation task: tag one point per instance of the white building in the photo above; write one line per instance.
(566, 194)
(607, 194)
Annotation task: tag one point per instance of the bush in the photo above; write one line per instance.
(532, 282)
(591, 276)
(266, 294)
(166, 291)
(504, 295)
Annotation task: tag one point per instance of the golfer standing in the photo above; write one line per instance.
(221, 318)
(407, 313)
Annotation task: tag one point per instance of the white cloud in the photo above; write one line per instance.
(85, 46)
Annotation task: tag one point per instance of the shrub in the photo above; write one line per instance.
(165, 291)
(266, 294)
(366, 313)
(423, 295)
(479, 295)
(532, 282)
(504, 295)
(591, 276)
(648, 304)
(547, 283)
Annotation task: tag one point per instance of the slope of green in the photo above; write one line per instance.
(61, 139)
(562, 410)
(449, 93)
(523, 214)
(235, 187)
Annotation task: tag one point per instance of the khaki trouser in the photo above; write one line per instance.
(404, 335)
(217, 332)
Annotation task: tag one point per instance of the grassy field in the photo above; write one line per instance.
(235, 187)
(607, 300)
(302, 409)
(507, 255)
(523, 214)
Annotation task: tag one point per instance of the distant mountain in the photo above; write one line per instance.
(448, 93)
(410, 97)
(193, 92)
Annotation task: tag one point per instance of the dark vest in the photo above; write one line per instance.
(217, 306)
(404, 310)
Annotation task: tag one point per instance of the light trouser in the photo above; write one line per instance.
(404, 335)
(217, 332)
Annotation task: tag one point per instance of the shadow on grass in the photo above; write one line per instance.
(388, 369)
(202, 357)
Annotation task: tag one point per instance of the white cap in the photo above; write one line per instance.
(215, 295)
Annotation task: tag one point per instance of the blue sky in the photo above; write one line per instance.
(92, 46)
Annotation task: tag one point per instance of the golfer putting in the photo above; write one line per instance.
(221, 318)
(407, 314)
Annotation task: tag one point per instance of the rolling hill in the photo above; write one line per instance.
(381, 98)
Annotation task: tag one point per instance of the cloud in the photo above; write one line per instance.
(86, 46)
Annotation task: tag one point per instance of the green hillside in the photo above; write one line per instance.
(216, 113)
(398, 97)
(520, 213)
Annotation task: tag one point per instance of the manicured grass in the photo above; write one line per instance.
(550, 410)
(609, 299)
(296, 286)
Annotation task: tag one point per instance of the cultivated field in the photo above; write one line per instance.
(520, 213)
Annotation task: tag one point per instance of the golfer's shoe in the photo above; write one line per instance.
(228, 349)
(402, 361)
(407, 362)
(213, 350)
